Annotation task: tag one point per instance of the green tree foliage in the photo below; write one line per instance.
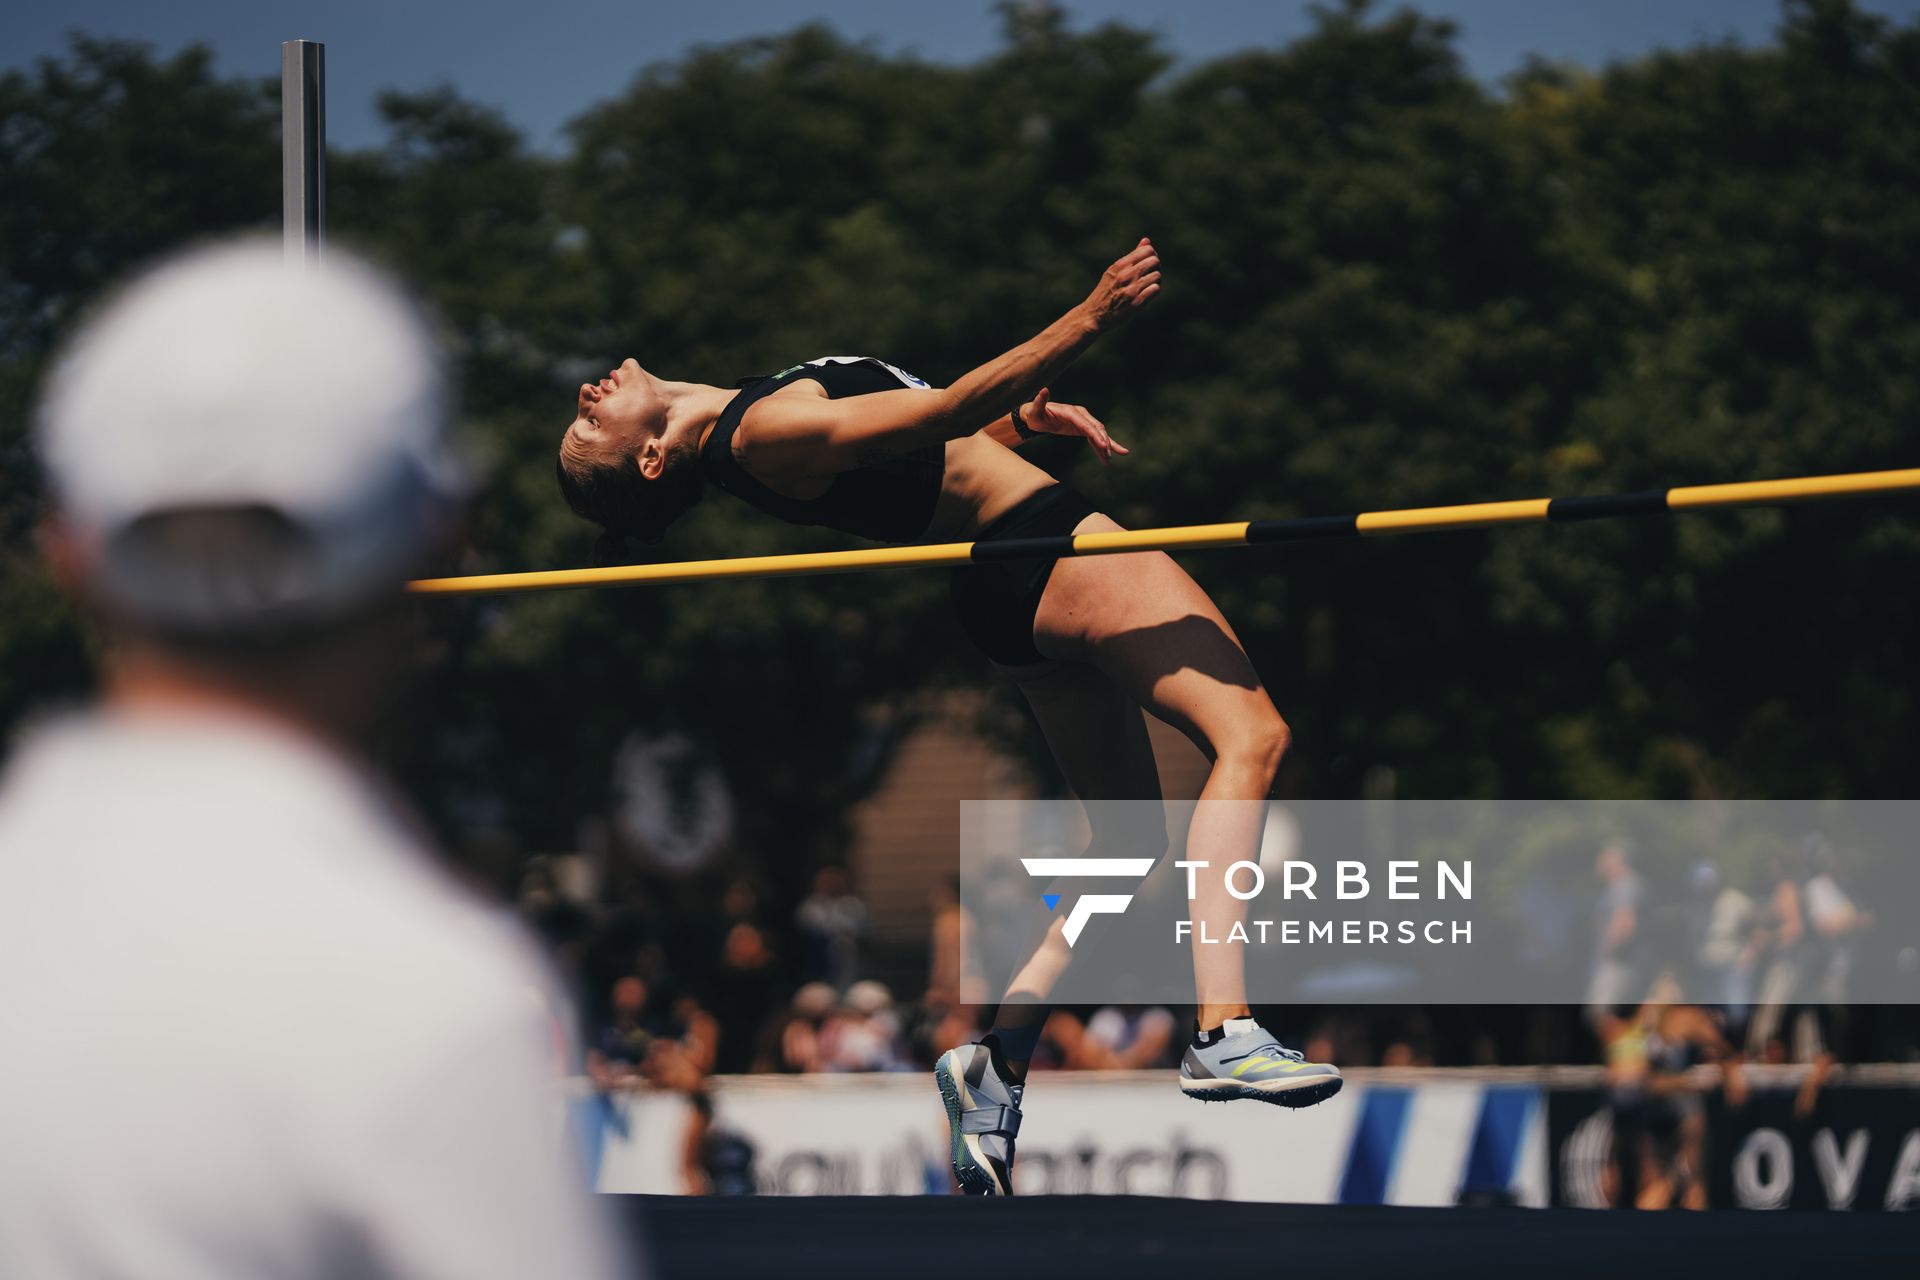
(107, 158)
(1388, 285)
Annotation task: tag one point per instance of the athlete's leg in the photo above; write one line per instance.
(1098, 737)
(1143, 622)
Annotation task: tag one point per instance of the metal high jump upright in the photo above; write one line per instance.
(303, 149)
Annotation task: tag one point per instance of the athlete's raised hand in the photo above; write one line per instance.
(1125, 287)
(1042, 414)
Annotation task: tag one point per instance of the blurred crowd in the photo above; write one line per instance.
(1772, 963)
(1775, 958)
(677, 978)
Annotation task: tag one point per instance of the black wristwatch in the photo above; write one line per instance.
(1020, 428)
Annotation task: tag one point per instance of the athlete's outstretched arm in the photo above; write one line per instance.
(808, 434)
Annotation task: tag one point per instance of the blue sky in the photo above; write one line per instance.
(543, 62)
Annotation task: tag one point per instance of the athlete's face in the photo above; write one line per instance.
(622, 414)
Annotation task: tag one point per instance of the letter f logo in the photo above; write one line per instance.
(1088, 905)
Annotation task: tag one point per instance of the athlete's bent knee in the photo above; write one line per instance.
(1260, 745)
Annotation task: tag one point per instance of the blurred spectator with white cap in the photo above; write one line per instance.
(247, 464)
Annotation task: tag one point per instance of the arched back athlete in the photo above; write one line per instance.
(855, 444)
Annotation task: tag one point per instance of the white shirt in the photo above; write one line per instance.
(247, 1029)
(1828, 907)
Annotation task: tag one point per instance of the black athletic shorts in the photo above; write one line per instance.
(996, 599)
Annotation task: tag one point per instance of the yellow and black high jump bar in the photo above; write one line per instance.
(1199, 537)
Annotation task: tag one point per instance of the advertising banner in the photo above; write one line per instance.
(1858, 1150)
(1386, 1140)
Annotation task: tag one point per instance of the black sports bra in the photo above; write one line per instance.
(889, 501)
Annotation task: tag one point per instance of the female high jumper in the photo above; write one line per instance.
(858, 445)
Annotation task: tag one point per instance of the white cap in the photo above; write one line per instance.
(228, 378)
